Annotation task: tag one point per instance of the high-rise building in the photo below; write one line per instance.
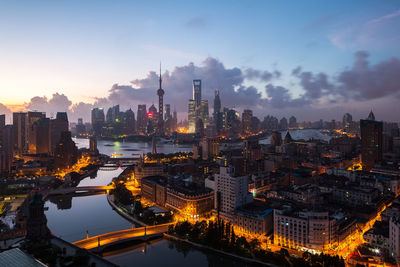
(97, 120)
(204, 114)
(19, 128)
(129, 122)
(192, 116)
(247, 115)
(57, 126)
(40, 137)
(347, 121)
(292, 122)
(141, 118)
(160, 93)
(174, 121)
(80, 127)
(32, 117)
(371, 141)
(197, 92)
(217, 115)
(394, 238)
(113, 114)
(66, 152)
(283, 124)
(6, 148)
(231, 192)
(167, 115)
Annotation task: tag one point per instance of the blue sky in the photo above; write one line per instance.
(81, 48)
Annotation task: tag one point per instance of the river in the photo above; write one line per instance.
(69, 217)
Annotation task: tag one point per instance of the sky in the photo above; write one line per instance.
(311, 59)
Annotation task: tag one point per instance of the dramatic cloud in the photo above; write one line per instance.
(280, 98)
(363, 85)
(315, 85)
(365, 82)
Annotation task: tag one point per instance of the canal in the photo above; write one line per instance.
(72, 217)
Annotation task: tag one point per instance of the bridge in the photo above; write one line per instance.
(70, 190)
(99, 242)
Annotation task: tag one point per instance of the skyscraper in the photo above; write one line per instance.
(197, 92)
(246, 121)
(141, 118)
(292, 122)
(19, 128)
(204, 114)
(371, 141)
(192, 116)
(160, 93)
(32, 117)
(217, 115)
(97, 120)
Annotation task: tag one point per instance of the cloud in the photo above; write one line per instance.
(265, 76)
(382, 32)
(5, 110)
(280, 98)
(365, 82)
(315, 85)
(385, 17)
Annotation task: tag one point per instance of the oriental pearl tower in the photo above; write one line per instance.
(160, 93)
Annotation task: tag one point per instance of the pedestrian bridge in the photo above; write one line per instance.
(70, 190)
(99, 242)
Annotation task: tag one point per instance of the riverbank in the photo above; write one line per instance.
(202, 247)
(122, 213)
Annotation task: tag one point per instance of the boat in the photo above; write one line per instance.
(116, 155)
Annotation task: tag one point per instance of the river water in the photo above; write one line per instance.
(72, 217)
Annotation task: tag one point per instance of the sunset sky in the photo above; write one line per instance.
(308, 58)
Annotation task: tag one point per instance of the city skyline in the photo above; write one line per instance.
(323, 74)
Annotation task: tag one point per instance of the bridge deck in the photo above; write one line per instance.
(119, 236)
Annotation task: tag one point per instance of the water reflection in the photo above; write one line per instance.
(162, 252)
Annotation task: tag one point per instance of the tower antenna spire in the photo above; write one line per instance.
(160, 76)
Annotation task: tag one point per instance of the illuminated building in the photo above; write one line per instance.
(40, 137)
(147, 169)
(371, 142)
(394, 238)
(204, 114)
(217, 115)
(178, 194)
(197, 92)
(210, 147)
(254, 219)
(141, 118)
(30, 135)
(160, 93)
(97, 120)
(80, 127)
(298, 229)
(347, 121)
(192, 116)
(247, 115)
(355, 196)
(112, 114)
(231, 192)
